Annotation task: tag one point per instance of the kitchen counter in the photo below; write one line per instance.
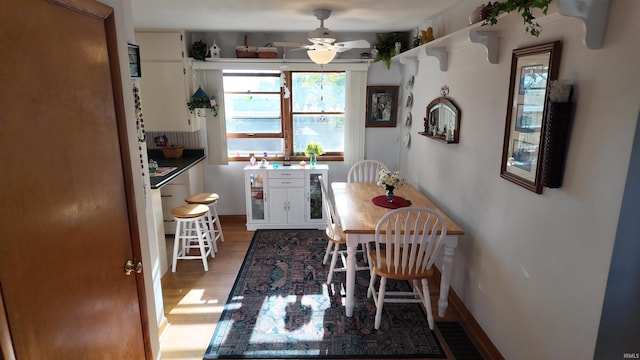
(189, 158)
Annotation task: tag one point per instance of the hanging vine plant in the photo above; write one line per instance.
(523, 7)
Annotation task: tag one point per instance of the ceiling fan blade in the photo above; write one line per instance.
(353, 44)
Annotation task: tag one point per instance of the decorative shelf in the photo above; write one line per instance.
(440, 138)
(592, 12)
(594, 15)
(278, 64)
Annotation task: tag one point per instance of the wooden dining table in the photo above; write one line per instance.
(359, 217)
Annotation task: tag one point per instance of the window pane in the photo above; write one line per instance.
(252, 113)
(326, 130)
(251, 83)
(245, 146)
(317, 92)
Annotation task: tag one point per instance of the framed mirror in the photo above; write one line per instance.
(442, 121)
(532, 69)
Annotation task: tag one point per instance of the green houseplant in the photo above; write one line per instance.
(523, 7)
(199, 50)
(386, 46)
(313, 150)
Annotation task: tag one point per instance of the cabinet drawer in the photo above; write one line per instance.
(286, 174)
(286, 182)
(173, 195)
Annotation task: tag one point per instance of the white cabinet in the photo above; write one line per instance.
(287, 197)
(165, 82)
(174, 193)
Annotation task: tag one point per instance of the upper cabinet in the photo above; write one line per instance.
(164, 87)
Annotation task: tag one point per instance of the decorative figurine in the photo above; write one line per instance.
(426, 35)
(214, 51)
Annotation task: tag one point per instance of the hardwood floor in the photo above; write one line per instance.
(194, 299)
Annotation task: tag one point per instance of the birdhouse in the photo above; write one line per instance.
(214, 50)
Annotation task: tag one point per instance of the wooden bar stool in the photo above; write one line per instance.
(191, 233)
(209, 199)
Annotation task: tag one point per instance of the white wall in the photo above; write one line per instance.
(533, 268)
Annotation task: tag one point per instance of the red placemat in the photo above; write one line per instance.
(398, 202)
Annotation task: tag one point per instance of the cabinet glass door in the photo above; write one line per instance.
(315, 197)
(257, 195)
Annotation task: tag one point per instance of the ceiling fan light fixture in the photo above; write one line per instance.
(321, 57)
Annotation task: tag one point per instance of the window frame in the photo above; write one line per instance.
(286, 123)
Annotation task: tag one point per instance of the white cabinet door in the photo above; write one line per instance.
(164, 86)
(295, 205)
(277, 205)
(314, 209)
(286, 206)
(161, 46)
(255, 190)
(164, 97)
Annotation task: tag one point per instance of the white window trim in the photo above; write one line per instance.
(209, 76)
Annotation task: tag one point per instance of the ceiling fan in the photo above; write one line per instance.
(323, 47)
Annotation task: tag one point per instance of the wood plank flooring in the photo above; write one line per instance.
(194, 299)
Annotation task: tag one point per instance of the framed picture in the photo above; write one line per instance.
(134, 61)
(533, 77)
(532, 68)
(382, 106)
(528, 119)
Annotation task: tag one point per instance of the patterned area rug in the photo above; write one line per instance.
(280, 307)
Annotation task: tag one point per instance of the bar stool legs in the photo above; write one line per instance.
(209, 199)
(192, 233)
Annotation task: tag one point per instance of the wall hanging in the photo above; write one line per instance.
(382, 106)
(442, 120)
(532, 69)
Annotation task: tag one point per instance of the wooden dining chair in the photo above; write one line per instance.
(365, 171)
(406, 242)
(336, 238)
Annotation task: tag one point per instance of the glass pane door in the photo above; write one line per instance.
(315, 197)
(257, 196)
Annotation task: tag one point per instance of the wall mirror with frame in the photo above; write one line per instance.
(532, 69)
(442, 121)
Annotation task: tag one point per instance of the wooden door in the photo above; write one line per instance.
(67, 220)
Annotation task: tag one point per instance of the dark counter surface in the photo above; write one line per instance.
(189, 158)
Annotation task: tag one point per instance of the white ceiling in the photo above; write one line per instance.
(285, 15)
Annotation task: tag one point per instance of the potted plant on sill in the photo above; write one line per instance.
(524, 7)
(313, 151)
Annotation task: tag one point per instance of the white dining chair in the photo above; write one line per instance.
(406, 242)
(365, 171)
(336, 238)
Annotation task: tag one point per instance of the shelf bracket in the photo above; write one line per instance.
(441, 54)
(594, 15)
(491, 42)
(411, 63)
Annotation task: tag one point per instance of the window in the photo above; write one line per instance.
(262, 116)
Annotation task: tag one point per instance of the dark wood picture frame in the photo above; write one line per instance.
(382, 106)
(134, 61)
(523, 146)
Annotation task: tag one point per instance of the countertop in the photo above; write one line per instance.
(189, 158)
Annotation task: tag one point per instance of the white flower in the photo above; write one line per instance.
(388, 178)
